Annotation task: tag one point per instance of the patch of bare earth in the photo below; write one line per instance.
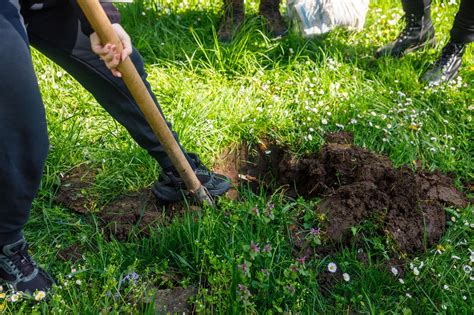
(74, 191)
(137, 212)
(72, 253)
(175, 301)
(355, 185)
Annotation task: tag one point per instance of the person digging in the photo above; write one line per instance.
(60, 31)
(234, 16)
(419, 32)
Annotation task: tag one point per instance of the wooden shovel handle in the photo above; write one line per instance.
(99, 21)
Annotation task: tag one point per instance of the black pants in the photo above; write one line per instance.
(463, 27)
(23, 132)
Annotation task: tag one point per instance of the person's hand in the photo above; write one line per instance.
(108, 53)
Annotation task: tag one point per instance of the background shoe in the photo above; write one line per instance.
(170, 187)
(233, 18)
(447, 66)
(416, 35)
(270, 10)
(19, 270)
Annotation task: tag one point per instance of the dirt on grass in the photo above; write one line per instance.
(137, 212)
(74, 191)
(356, 186)
(72, 253)
(175, 301)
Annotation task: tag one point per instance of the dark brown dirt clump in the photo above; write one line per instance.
(357, 185)
(137, 212)
(74, 191)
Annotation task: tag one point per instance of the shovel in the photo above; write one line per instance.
(101, 24)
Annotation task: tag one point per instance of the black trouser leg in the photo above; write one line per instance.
(463, 27)
(23, 133)
(70, 49)
(417, 9)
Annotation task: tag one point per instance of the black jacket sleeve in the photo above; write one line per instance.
(110, 10)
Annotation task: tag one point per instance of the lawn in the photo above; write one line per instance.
(240, 256)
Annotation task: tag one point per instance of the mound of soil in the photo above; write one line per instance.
(356, 186)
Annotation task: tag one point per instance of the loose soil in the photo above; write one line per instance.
(355, 186)
(75, 189)
(137, 212)
(175, 301)
(72, 253)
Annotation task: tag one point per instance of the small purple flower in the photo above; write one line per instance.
(294, 268)
(267, 248)
(256, 211)
(242, 287)
(254, 248)
(244, 291)
(315, 232)
(131, 277)
(302, 260)
(244, 267)
(269, 210)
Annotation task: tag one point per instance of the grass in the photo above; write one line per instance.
(292, 90)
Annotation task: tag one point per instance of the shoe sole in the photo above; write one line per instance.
(429, 43)
(446, 80)
(164, 194)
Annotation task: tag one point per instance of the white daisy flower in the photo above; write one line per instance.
(332, 267)
(394, 271)
(40, 295)
(467, 269)
(15, 297)
(416, 272)
(346, 277)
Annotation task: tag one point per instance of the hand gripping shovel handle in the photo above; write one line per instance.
(101, 24)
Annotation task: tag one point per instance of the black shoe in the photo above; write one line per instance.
(416, 35)
(20, 272)
(170, 187)
(447, 66)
